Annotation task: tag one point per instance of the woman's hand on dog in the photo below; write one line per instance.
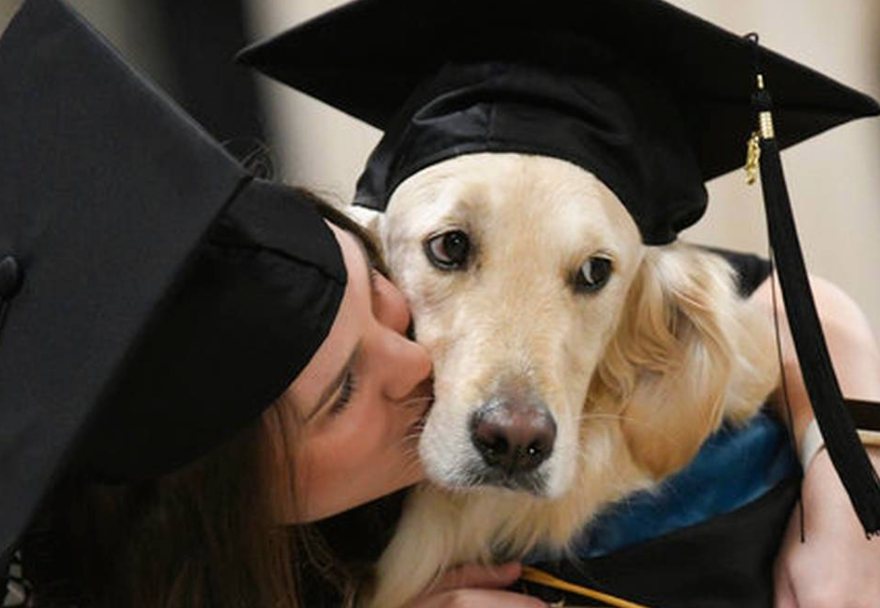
(836, 566)
(475, 586)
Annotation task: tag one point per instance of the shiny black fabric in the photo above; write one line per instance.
(165, 297)
(726, 562)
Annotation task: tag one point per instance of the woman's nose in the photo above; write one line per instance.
(393, 309)
(410, 363)
(411, 367)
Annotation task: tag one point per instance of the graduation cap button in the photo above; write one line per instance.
(10, 277)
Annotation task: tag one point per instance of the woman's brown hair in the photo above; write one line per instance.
(201, 536)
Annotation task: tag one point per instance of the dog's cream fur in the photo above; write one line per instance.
(636, 375)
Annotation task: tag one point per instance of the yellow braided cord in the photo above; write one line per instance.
(542, 578)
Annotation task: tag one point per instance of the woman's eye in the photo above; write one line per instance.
(448, 251)
(345, 395)
(593, 274)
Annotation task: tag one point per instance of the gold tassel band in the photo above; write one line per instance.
(766, 120)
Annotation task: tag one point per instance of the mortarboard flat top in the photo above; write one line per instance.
(163, 296)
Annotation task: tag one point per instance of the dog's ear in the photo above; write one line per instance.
(684, 353)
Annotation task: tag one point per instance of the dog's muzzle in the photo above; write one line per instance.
(513, 437)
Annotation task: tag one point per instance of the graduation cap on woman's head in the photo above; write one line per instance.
(155, 297)
(651, 99)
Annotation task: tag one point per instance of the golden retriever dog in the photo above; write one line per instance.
(573, 364)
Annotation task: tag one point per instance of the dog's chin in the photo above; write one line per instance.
(479, 478)
(534, 484)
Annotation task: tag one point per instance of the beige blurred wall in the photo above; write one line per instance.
(7, 8)
(834, 179)
(320, 147)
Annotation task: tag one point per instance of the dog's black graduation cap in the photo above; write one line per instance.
(651, 99)
(154, 297)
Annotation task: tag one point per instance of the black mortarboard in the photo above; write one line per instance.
(650, 98)
(443, 78)
(154, 297)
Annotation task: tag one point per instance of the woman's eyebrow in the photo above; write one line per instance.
(334, 385)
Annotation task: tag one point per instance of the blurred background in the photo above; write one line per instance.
(834, 179)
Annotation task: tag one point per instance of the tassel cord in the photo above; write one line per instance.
(842, 442)
(789, 418)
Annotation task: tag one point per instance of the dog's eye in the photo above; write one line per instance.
(448, 251)
(594, 274)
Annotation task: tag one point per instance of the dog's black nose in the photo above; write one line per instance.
(513, 436)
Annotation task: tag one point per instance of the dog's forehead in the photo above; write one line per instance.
(549, 195)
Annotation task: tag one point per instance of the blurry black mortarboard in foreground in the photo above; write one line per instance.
(651, 99)
(157, 298)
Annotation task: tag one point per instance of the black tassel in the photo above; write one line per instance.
(841, 440)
